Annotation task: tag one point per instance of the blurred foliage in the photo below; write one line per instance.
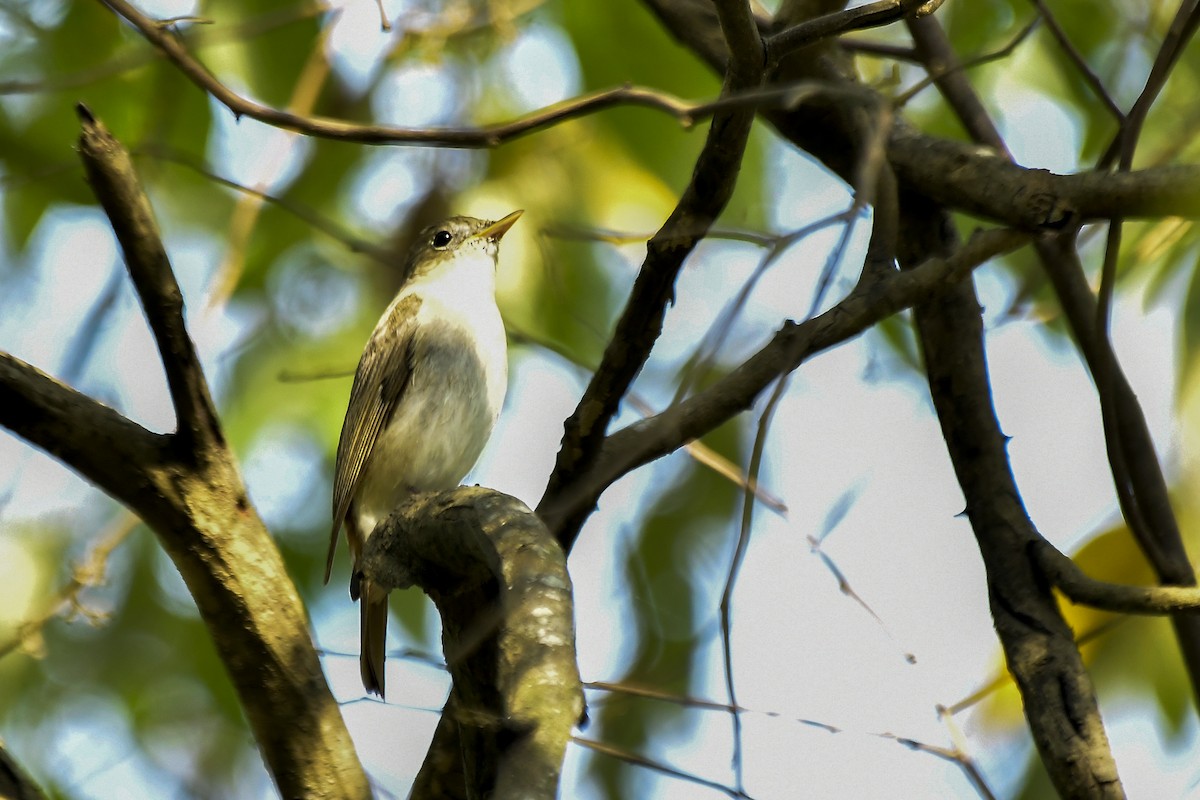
(616, 171)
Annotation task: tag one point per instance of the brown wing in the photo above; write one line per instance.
(379, 383)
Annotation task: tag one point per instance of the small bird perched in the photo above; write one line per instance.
(426, 394)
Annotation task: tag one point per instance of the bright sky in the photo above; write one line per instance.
(801, 648)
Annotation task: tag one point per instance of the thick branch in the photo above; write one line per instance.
(1059, 700)
(186, 487)
(500, 582)
(103, 446)
(958, 175)
(983, 183)
(111, 175)
(14, 783)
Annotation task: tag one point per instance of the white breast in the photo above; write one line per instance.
(455, 395)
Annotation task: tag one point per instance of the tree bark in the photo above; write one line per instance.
(500, 583)
(185, 485)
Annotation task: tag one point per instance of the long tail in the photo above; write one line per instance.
(373, 613)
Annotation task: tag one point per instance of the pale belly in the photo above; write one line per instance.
(440, 426)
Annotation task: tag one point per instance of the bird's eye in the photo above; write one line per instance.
(441, 239)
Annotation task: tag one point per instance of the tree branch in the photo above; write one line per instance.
(114, 181)
(186, 487)
(500, 582)
(100, 444)
(641, 322)
(872, 15)
(1056, 690)
(173, 48)
(656, 436)
(1137, 475)
(985, 184)
(1085, 590)
(14, 783)
(956, 174)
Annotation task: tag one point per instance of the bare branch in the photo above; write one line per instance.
(187, 488)
(1075, 57)
(14, 783)
(1057, 692)
(945, 71)
(641, 322)
(658, 766)
(302, 212)
(96, 441)
(1080, 588)
(871, 15)
(1183, 28)
(485, 136)
(647, 440)
(500, 582)
(115, 183)
(981, 182)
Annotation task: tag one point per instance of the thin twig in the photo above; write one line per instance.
(86, 574)
(466, 137)
(1075, 57)
(1124, 145)
(956, 754)
(871, 15)
(645, 441)
(735, 567)
(657, 766)
(938, 71)
(302, 212)
(714, 339)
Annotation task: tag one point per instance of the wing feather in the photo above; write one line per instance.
(379, 383)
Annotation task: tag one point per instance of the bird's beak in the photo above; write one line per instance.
(500, 227)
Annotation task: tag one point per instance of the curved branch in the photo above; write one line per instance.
(1081, 588)
(483, 136)
(500, 582)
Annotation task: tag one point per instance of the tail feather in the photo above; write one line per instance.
(373, 613)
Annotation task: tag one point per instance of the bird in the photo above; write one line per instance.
(425, 397)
